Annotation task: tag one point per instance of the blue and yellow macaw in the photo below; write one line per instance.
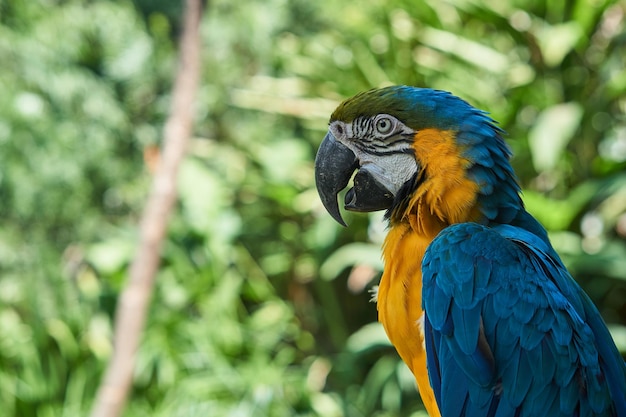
(473, 296)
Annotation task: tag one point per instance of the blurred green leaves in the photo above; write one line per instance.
(262, 303)
(553, 129)
(556, 41)
(349, 255)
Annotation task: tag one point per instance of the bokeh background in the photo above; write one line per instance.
(262, 302)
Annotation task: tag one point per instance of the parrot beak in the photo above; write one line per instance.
(334, 165)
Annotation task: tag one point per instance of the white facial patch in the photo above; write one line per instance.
(392, 171)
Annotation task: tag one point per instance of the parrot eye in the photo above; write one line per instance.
(384, 125)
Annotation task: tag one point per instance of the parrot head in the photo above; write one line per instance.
(405, 142)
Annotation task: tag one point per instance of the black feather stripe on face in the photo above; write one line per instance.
(402, 198)
(365, 138)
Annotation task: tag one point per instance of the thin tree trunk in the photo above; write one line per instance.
(135, 298)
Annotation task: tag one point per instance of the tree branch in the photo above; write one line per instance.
(135, 298)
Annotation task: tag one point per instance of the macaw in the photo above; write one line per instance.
(474, 298)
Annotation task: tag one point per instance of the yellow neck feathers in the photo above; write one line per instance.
(443, 197)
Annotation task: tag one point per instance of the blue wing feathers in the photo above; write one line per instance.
(464, 294)
(504, 408)
(505, 343)
(562, 331)
(440, 304)
(466, 328)
(454, 383)
(482, 271)
(478, 366)
(524, 310)
(503, 303)
(432, 361)
(480, 155)
(569, 397)
(614, 369)
(509, 333)
(530, 336)
(510, 379)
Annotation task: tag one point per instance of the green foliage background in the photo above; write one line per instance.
(262, 303)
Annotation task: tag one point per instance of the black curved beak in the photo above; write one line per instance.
(334, 165)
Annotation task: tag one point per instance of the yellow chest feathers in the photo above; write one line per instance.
(400, 290)
(400, 304)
